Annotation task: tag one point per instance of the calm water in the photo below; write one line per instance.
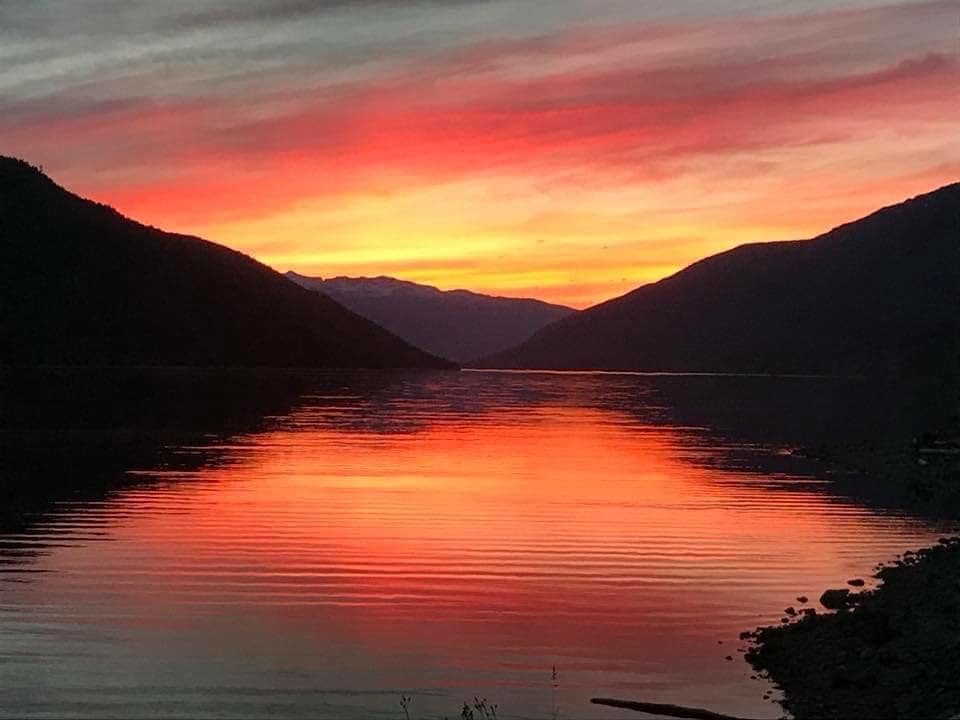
(339, 541)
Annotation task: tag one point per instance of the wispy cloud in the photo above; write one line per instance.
(688, 121)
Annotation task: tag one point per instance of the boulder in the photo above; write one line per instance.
(837, 599)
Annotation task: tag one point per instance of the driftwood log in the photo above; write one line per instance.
(676, 711)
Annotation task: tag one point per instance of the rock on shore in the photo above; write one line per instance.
(895, 654)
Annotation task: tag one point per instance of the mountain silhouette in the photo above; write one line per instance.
(876, 296)
(81, 284)
(457, 324)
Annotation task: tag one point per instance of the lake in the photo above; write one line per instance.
(245, 544)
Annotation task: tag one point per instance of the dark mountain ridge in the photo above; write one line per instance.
(878, 295)
(81, 284)
(456, 324)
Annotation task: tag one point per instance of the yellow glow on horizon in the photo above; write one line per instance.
(524, 244)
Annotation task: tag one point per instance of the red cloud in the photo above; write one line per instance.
(474, 112)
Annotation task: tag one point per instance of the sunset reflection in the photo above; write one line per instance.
(472, 554)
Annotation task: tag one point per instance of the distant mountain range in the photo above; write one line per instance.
(81, 284)
(455, 324)
(879, 295)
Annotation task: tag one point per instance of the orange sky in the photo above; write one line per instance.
(569, 155)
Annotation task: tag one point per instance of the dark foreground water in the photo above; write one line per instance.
(288, 545)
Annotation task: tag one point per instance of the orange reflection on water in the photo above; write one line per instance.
(472, 552)
(571, 510)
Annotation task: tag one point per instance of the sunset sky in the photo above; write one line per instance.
(563, 149)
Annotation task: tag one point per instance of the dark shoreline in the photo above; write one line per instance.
(894, 652)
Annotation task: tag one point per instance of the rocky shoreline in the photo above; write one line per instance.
(891, 652)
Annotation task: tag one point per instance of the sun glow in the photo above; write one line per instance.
(562, 157)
